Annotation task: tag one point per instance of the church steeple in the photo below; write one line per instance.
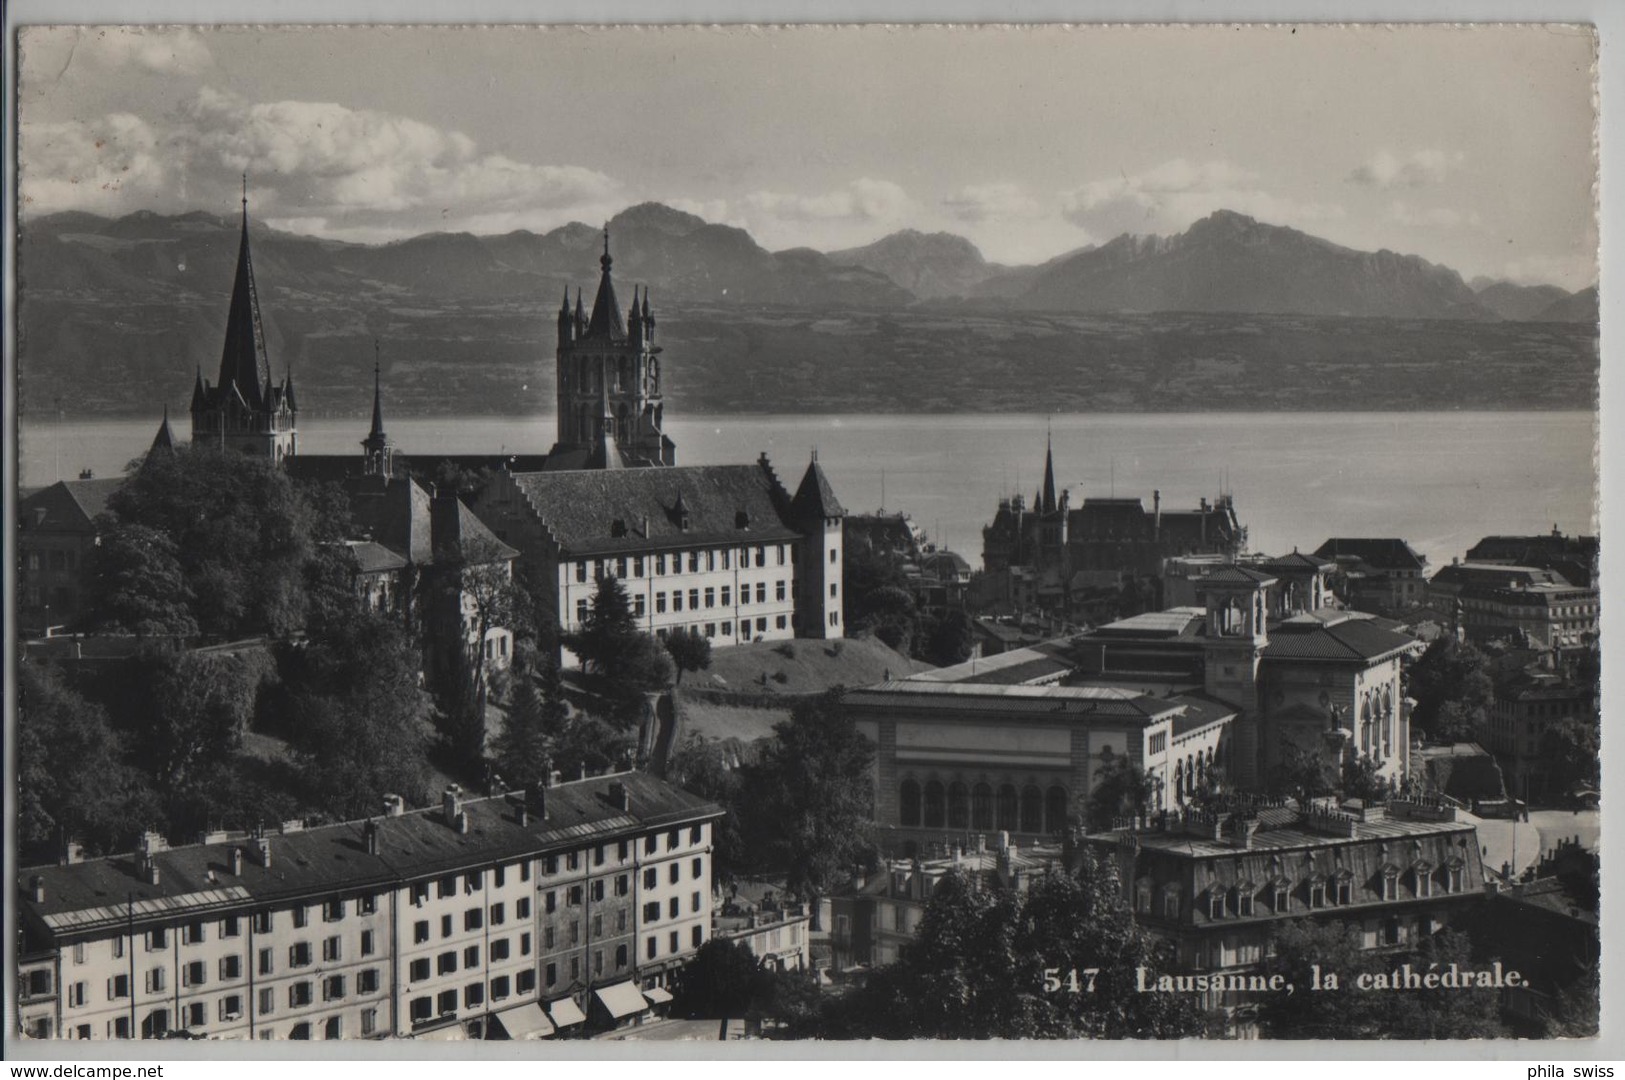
(1046, 498)
(243, 361)
(164, 441)
(606, 310)
(376, 444)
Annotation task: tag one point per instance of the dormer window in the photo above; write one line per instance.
(1343, 888)
(1390, 882)
(617, 528)
(1170, 901)
(1422, 879)
(1244, 898)
(1215, 903)
(1454, 875)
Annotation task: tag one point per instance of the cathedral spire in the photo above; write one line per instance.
(1047, 495)
(243, 362)
(164, 441)
(376, 444)
(606, 310)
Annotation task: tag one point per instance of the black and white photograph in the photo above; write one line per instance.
(790, 534)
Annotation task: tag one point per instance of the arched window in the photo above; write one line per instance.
(1032, 810)
(1190, 775)
(1179, 780)
(981, 807)
(909, 803)
(958, 806)
(1201, 773)
(933, 804)
(1009, 813)
(1055, 808)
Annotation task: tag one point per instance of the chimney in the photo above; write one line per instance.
(264, 852)
(1156, 515)
(451, 803)
(536, 800)
(394, 805)
(237, 861)
(369, 836)
(73, 852)
(554, 777)
(581, 772)
(149, 867)
(460, 823)
(36, 887)
(1245, 828)
(521, 814)
(620, 796)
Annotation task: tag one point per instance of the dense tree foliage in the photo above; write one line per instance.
(1453, 690)
(950, 639)
(531, 732)
(185, 713)
(1351, 1013)
(623, 663)
(702, 766)
(806, 804)
(136, 583)
(1303, 773)
(1363, 779)
(1122, 789)
(689, 652)
(72, 779)
(977, 968)
(1568, 749)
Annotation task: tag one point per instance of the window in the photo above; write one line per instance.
(446, 887)
(421, 1009)
(194, 974)
(572, 861)
(698, 936)
(761, 596)
(524, 943)
(471, 957)
(696, 901)
(367, 905)
(156, 1025)
(693, 599)
(333, 911)
(1343, 890)
(598, 890)
(1170, 901)
(420, 931)
(118, 987)
(547, 937)
(78, 994)
(527, 981)
(445, 926)
(230, 926)
(781, 621)
(727, 595)
(1244, 898)
(500, 987)
(660, 603)
(333, 988)
(447, 1002)
(550, 902)
(499, 949)
(1317, 894)
(231, 1007)
(420, 894)
(573, 897)
(366, 982)
(620, 920)
(1215, 903)
(552, 974)
(266, 965)
(156, 979)
(267, 1001)
(499, 914)
(419, 970)
(332, 948)
(575, 968)
(581, 611)
(778, 590)
(157, 939)
(651, 875)
(676, 873)
(675, 941)
(299, 954)
(445, 963)
(301, 917)
(193, 934)
(651, 911)
(621, 884)
(300, 994)
(581, 571)
(473, 881)
(575, 933)
(597, 926)
(369, 1021)
(366, 943)
(597, 962)
(521, 908)
(651, 948)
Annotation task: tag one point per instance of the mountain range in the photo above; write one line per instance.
(110, 310)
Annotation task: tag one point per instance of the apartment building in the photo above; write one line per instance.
(412, 924)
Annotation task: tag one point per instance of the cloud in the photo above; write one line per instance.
(1432, 216)
(1420, 169)
(863, 200)
(164, 50)
(116, 159)
(999, 201)
(351, 170)
(1170, 196)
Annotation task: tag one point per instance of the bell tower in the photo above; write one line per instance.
(1233, 641)
(608, 381)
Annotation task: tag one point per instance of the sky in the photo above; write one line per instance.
(1469, 147)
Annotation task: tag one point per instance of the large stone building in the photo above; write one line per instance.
(1379, 575)
(1537, 605)
(530, 911)
(55, 537)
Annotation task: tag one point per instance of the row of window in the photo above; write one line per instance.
(958, 806)
(446, 962)
(572, 861)
(59, 560)
(698, 562)
(299, 994)
(429, 1006)
(1221, 902)
(710, 629)
(651, 949)
(651, 910)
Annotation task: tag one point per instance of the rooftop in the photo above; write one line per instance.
(1283, 828)
(1076, 701)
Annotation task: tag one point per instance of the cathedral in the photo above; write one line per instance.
(244, 410)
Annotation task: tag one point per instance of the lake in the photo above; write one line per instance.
(1440, 480)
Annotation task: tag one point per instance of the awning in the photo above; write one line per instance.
(528, 1021)
(565, 1012)
(449, 1033)
(621, 1000)
(658, 995)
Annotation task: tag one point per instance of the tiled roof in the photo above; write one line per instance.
(1296, 561)
(598, 512)
(1200, 711)
(374, 558)
(457, 533)
(395, 513)
(1234, 575)
(1175, 622)
(67, 505)
(1383, 554)
(1080, 701)
(1354, 639)
(333, 859)
(815, 497)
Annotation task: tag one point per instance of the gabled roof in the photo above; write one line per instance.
(458, 534)
(395, 513)
(1386, 553)
(164, 441)
(815, 498)
(67, 505)
(1234, 575)
(1297, 561)
(371, 557)
(593, 511)
(1352, 640)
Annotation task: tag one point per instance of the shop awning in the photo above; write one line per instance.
(565, 1012)
(528, 1021)
(622, 1000)
(658, 995)
(453, 1032)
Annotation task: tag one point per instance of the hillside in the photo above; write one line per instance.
(1580, 307)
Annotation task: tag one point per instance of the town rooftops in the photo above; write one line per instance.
(1032, 665)
(1296, 561)
(334, 859)
(1234, 575)
(1088, 702)
(1503, 575)
(1174, 622)
(371, 557)
(67, 505)
(1378, 553)
(594, 512)
(1309, 638)
(1284, 828)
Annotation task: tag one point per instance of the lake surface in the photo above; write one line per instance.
(1439, 480)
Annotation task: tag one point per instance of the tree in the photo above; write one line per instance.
(977, 967)
(72, 781)
(624, 663)
(1363, 779)
(700, 766)
(1450, 671)
(952, 640)
(689, 652)
(1304, 774)
(136, 582)
(357, 718)
(1122, 790)
(522, 750)
(1568, 748)
(806, 802)
(186, 713)
(1350, 1013)
(722, 980)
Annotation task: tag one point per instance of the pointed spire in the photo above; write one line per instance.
(606, 310)
(564, 308)
(1048, 492)
(815, 497)
(377, 431)
(199, 397)
(164, 441)
(243, 361)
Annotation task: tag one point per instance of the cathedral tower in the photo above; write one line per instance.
(377, 453)
(244, 410)
(610, 411)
